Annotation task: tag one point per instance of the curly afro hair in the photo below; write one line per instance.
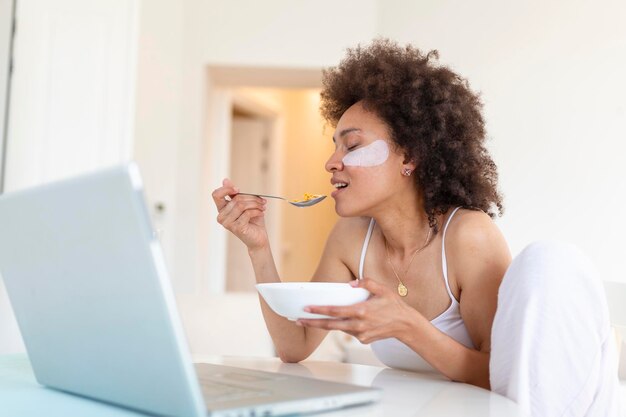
(433, 116)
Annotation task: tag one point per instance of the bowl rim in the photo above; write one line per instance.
(311, 285)
(289, 284)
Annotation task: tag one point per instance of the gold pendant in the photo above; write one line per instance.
(402, 290)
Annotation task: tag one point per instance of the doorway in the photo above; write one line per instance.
(251, 144)
(284, 103)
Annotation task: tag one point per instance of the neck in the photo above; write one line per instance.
(404, 225)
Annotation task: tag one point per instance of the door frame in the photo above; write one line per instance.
(7, 34)
(221, 84)
(222, 101)
(273, 118)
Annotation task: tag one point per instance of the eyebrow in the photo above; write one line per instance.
(344, 132)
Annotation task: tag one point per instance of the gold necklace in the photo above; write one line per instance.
(402, 290)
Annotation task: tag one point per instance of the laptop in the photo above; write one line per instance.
(88, 284)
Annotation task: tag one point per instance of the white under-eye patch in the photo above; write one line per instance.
(376, 153)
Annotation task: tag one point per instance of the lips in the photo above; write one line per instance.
(339, 185)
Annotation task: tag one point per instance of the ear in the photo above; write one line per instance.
(408, 164)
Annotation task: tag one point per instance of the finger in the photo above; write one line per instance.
(347, 326)
(233, 210)
(242, 224)
(239, 197)
(372, 286)
(354, 328)
(219, 195)
(353, 311)
(255, 213)
(317, 323)
(367, 336)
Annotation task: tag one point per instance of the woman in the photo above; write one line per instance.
(416, 191)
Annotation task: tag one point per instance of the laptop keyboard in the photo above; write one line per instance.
(218, 391)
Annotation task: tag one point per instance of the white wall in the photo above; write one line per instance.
(282, 33)
(72, 101)
(547, 72)
(158, 113)
(551, 78)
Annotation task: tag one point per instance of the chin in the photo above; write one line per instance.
(348, 210)
(340, 209)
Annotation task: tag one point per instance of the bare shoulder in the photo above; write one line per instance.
(341, 250)
(470, 228)
(475, 244)
(478, 257)
(348, 230)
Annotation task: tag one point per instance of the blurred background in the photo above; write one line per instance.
(199, 90)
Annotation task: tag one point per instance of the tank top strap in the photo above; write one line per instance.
(444, 262)
(366, 243)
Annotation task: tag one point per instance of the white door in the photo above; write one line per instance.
(71, 105)
(250, 172)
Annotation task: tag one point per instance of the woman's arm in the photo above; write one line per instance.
(295, 343)
(451, 358)
(290, 341)
(478, 257)
(244, 217)
(386, 315)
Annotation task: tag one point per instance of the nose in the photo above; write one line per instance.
(335, 162)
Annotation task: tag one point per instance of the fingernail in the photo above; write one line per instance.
(354, 283)
(307, 309)
(299, 323)
(236, 189)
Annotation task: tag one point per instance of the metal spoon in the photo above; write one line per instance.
(307, 203)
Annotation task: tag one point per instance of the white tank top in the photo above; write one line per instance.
(396, 354)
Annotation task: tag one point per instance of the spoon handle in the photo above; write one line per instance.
(263, 195)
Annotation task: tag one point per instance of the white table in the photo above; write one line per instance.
(405, 393)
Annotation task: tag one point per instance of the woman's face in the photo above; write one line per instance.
(366, 167)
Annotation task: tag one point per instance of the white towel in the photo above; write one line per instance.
(552, 348)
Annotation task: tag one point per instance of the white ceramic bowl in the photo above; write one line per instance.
(288, 299)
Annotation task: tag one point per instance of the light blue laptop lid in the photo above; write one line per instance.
(90, 291)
